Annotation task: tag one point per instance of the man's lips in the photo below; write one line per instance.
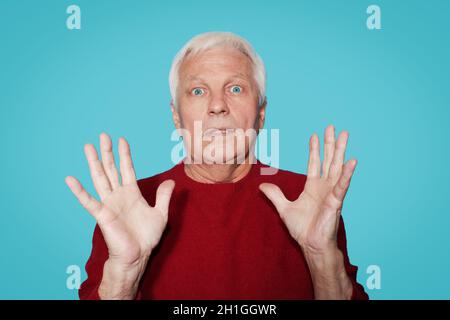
(218, 131)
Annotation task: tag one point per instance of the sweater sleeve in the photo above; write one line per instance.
(358, 290)
(94, 267)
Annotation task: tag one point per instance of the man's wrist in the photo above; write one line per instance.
(328, 273)
(121, 282)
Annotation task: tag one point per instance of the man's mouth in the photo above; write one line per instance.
(218, 131)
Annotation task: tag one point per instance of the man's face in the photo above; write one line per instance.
(217, 89)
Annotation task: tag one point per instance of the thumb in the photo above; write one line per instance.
(274, 193)
(163, 195)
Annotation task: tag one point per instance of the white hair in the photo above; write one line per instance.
(209, 40)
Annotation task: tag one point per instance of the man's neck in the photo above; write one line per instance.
(218, 173)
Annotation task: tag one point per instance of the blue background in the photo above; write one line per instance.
(61, 88)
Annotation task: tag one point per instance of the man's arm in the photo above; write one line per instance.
(107, 280)
(130, 227)
(313, 219)
(330, 279)
(334, 277)
(121, 282)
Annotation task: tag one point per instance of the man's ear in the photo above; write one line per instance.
(262, 114)
(175, 115)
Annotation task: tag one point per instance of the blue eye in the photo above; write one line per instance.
(198, 91)
(236, 89)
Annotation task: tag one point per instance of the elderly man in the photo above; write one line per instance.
(219, 225)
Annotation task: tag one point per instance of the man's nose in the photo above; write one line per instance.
(218, 105)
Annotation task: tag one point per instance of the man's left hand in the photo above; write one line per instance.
(313, 218)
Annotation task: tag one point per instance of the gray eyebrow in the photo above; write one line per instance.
(191, 77)
(237, 75)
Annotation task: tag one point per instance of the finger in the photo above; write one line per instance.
(163, 195)
(341, 187)
(108, 160)
(275, 195)
(101, 181)
(126, 164)
(328, 150)
(338, 156)
(86, 200)
(314, 157)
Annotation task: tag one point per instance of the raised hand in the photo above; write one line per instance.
(130, 226)
(313, 218)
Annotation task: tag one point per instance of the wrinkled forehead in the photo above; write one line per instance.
(217, 62)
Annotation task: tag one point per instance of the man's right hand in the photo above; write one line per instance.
(130, 226)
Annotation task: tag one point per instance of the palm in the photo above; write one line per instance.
(309, 224)
(130, 226)
(313, 218)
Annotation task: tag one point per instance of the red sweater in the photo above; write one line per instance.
(222, 241)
